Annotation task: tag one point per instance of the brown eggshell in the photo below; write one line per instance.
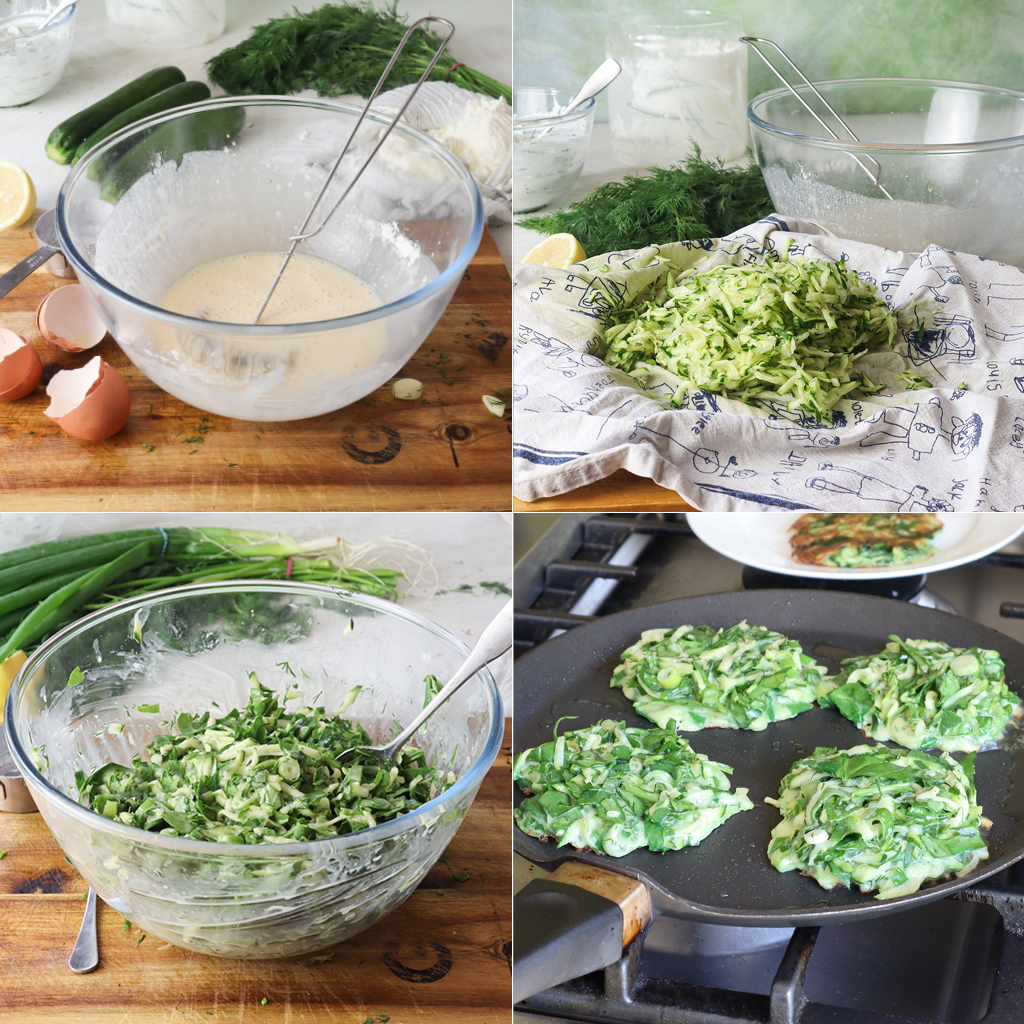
(20, 366)
(89, 403)
(66, 318)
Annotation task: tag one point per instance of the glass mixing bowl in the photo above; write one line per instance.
(230, 176)
(32, 62)
(198, 645)
(950, 155)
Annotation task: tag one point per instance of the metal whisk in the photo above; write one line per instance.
(303, 234)
(752, 42)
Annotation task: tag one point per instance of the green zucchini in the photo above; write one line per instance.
(65, 139)
(175, 96)
(197, 130)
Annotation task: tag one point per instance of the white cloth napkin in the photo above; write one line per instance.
(957, 446)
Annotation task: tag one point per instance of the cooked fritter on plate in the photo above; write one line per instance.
(878, 818)
(924, 693)
(612, 789)
(743, 677)
(855, 540)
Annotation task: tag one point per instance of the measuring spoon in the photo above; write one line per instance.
(46, 236)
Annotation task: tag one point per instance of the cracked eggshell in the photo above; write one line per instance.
(89, 403)
(66, 318)
(20, 366)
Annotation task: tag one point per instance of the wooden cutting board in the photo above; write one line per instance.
(444, 955)
(446, 452)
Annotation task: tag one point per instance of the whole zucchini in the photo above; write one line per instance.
(197, 130)
(176, 96)
(65, 139)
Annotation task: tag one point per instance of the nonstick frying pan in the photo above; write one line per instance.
(728, 879)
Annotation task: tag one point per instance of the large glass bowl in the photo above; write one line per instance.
(199, 644)
(950, 156)
(231, 176)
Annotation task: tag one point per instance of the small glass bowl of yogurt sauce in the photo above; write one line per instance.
(32, 62)
(548, 148)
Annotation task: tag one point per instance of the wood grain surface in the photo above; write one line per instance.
(621, 492)
(445, 453)
(444, 955)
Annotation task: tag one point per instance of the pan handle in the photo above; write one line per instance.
(575, 921)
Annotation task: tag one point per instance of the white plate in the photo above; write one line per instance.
(761, 540)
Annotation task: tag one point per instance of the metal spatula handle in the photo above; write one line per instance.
(302, 233)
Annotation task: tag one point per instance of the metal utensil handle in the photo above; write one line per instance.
(303, 234)
(752, 42)
(86, 956)
(494, 640)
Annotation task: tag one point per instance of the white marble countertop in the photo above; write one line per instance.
(459, 550)
(98, 66)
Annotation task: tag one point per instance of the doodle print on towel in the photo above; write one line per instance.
(953, 442)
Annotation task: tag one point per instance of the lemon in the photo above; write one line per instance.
(562, 250)
(17, 196)
(8, 670)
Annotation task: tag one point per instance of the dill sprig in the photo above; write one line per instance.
(337, 49)
(698, 199)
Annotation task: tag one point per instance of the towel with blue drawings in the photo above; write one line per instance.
(956, 446)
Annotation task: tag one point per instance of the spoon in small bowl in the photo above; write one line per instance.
(494, 640)
(59, 9)
(596, 83)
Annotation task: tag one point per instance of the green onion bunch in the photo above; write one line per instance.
(46, 586)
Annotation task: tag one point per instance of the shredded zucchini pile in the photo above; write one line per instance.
(878, 818)
(924, 693)
(259, 774)
(614, 789)
(792, 327)
(742, 677)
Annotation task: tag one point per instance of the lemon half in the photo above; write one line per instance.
(562, 250)
(17, 196)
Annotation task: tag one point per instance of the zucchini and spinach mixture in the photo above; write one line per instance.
(789, 327)
(260, 774)
(742, 677)
(856, 540)
(880, 819)
(924, 693)
(613, 789)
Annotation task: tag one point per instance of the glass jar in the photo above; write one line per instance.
(165, 24)
(683, 84)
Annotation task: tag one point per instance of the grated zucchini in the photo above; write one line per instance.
(789, 327)
(743, 677)
(614, 789)
(880, 819)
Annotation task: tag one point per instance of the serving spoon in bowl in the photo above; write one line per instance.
(494, 640)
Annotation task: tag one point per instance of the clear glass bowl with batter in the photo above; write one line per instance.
(213, 191)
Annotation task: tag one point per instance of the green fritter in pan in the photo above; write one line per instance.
(881, 819)
(698, 677)
(923, 694)
(613, 789)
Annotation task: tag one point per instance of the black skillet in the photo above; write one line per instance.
(728, 879)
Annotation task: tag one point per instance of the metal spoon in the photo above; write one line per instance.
(597, 82)
(46, 236)
(59, 9)
(494, 640)
(86, 954)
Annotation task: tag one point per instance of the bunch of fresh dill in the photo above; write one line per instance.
(337, 49)
(698, 199)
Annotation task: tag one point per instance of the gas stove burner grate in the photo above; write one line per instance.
(900, 588)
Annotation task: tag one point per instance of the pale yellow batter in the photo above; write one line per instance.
(231, 289)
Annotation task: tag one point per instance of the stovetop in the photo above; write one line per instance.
(946, 961)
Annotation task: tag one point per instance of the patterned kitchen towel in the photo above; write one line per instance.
(956, 446)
